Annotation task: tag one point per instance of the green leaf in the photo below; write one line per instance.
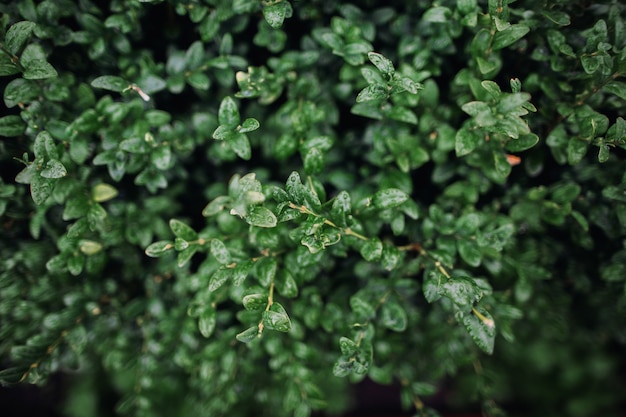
(614, 87)
(481, 329)
(469, 251)
(89, 247)
(199, 80)
(255, 302)
(576, 150)
(240, 144)
(207, 322)
(348, 347)
(161, 156)
(301, 194)
(219, 278)
(389, 198)
(437, 14)
(11, 126)
(261, 217)
(276, 318)
(276, 13)
(40, 189)
(286, 284)
(362, 309)
(466, 141)
(372, 249)
(512, 101)
(185, 255)
(461, 290)
(220, 252)
(393, 316)
(558, 17)
(54, 169)
(383, 64)
(228, 113)
(497, 238)
(265, 270)
(111, 83)
(182, 230)
(103, 192)
(159, 248)
(402, 114)
(373, 92)
(216, 205)
(240, 272)
(22, 91)
(509, 36)
(248, 335)
(17, 35)
(522, 143)
(39, 69)
(249, 125)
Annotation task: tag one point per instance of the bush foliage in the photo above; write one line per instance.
(240, 208)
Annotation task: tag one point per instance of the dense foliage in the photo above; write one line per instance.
(241, 207)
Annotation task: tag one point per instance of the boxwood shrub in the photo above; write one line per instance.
(233, 208)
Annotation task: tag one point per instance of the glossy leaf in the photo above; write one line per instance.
(11, 126)
(111, 83)
(482, 330)
(182, 230)
(207, 321)
(261, 217)
(389, 198)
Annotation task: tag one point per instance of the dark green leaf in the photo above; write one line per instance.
(265, 269)
(361, 308)
(373, 92)
(17, 35)
(255, 301)
(509, 36)
(466, 141)
(11, 126)
(383, 64)
(462, 291)
(220, 252)
(40, 189)
(217, 205)
(522, 143)
(39, 69)
(389, 198)
(111, 83)
(393, 316)
(372, 249)
(219, 278)
(249, 125)
(185, 255)
(276, 13)
(240, 144)
(249, 334)
(54, 169)
(482, 330)
(199, 80)
(286, 284)
(576, 150)
(469, 251)
(240, 272)
(182, 230)
(276, 318)
(207, 321)
(22, 91)
(261, 217)
(228, 114)
(348, 347)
